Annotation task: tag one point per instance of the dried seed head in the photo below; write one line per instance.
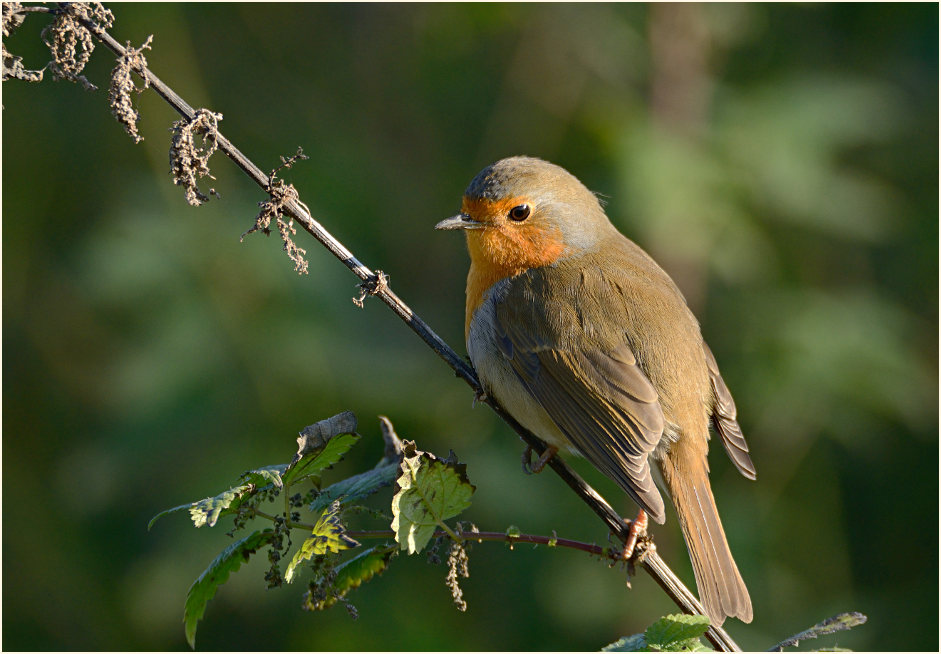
(71, 42)
(189, 162)
(13, 67)
(273, 209)
(457, 566)
(122, 83)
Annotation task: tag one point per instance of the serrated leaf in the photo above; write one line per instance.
(430, 491)
(677, 633)
(356, 487)
(839, 622)
(204, 588)
(314, 462)
(354, 573)
(328, 535)
(635, 643)
(175, 509)
(208, 511)
(692, 645)
(266, 475)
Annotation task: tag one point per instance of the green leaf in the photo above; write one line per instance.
(329, 535)
(266, 475)
(430, 491)
(208, 511)
(635, 643)
(204, 588)
(356, 487)
(168, 512)
(839, 622)
(317, 460)
(677, 633)
(353, 573)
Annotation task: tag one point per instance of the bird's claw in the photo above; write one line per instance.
(637, 530)
(531, 467)
(480, 396)
(527, 460)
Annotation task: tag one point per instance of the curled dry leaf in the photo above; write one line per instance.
(314, 437)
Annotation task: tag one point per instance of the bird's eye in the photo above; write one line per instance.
(520, 213)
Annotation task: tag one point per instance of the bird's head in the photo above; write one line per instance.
(523, 212)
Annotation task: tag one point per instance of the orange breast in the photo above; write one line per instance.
(504, 250)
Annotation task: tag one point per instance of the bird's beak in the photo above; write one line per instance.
(460, 221)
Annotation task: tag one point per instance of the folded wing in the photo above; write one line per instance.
(601, 400)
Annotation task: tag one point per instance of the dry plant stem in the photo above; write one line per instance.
(653, 564)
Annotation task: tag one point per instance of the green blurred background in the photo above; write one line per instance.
(780, 161)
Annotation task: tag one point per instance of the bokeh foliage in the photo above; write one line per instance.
(780, 161)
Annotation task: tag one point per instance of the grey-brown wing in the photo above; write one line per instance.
(601, 400)
(724, 419)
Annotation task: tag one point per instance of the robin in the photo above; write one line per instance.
(589, 344)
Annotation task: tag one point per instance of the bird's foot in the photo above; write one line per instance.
(532, 468)
(480, 396)
(637, 529)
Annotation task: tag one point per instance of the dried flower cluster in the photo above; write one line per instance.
(122, 83)
(12, 17)
(12, 65)
(273, 209)
(189, 162)
(457, 566)
(70, 41)
(322, 591)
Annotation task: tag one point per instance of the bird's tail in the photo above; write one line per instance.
(721, 589)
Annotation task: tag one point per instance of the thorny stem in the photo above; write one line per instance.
(652, 563)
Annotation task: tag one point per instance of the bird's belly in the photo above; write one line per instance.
(501, 383)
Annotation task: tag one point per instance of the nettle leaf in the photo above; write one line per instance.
(839, 622)
(354, 573)
(204, 588)
(671, 633)
(635, 643)
(356, 487)
(208, 511)
(315, 461)
(175, 509)
(677, 633)
(431, 490)
(329, 535)
(266, 475)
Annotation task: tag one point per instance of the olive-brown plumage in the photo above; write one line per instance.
(590, 345)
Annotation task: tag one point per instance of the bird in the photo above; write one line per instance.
(589, 344)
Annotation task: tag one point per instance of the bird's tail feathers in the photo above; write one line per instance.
(721, 589)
